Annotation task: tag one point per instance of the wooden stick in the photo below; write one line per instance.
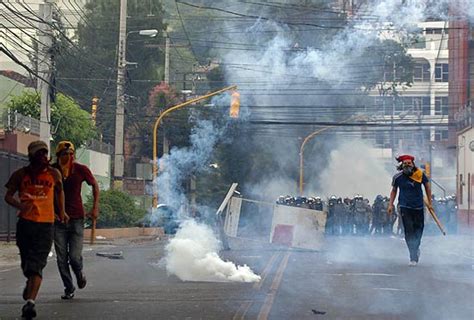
(93, 231)
(435, 217)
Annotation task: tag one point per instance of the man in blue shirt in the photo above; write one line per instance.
(410, 200)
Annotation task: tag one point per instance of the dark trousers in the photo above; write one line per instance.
(413, 224)
(68, 239)
(34, 240)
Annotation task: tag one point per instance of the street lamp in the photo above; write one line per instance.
(146, 33)
(120, 111)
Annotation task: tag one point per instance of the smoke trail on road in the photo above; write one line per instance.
(182, 162)
(192, 256)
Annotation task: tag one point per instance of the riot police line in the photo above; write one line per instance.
(356, 216)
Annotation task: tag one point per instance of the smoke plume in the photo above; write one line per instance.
(353, 167)
(192, 256)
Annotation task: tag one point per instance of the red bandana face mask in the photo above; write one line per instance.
(65, 162)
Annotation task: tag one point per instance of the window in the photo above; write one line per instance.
(427, 134)
(418, 43)
(441, 135)
(441, 72)
(444, 135)
(413, 105)
(421, 72)
(422, 104)
(393, 73)
(433, 31)
(406, 106)
(381, 139)
(399, 105)
(384, 104)
(441, 106)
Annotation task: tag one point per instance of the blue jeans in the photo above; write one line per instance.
(68, 239)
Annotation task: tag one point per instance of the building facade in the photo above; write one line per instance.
(419, 114)
(461, 48)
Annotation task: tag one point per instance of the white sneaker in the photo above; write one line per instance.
(413, 263)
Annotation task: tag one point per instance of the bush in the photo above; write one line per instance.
(116, 210)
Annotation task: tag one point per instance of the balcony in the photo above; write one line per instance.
(464, 118)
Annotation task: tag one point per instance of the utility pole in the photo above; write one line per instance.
(166, 143)
(167, 59)
(392, 128)
(119, 112)
(45, 63)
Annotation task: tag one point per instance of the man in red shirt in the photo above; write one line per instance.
(40, 190)
(68, 238)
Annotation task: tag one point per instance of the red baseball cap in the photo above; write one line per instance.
(405, 157)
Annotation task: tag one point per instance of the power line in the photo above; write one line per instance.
(184, 29)
(338, 124)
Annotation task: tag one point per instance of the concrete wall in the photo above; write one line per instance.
(117, 233)
(16, 142)
(9, 162)
(100, 165)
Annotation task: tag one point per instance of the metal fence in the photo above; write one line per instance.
(16, 121)
(9, 162)
(99, 146)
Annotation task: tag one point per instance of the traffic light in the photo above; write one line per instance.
(95, 102)
(234, 105)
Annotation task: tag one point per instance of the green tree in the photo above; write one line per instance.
(388, 67)
(68, 120)
(160, 97)
(116, 210)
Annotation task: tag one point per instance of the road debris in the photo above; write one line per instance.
(111, 255)
(318, 312)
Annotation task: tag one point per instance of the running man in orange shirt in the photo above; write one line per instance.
(39, 188)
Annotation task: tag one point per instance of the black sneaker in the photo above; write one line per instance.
(28, 311)
(81, 281)
(67, 295)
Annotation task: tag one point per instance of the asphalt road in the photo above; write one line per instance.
(353, 278)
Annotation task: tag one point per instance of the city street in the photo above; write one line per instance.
(353, 278)
(308, 132)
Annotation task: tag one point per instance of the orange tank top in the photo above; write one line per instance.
(38, 194)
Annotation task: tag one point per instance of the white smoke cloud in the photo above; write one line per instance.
(192, 256)
(279, 66)
(353, 168)
(330, 62)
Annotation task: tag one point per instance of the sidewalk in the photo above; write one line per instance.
(10, 257)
